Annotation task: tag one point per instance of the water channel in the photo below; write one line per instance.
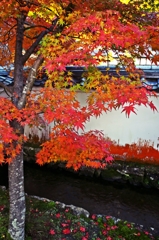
(133, 204)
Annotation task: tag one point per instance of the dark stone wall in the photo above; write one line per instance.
(137, 174)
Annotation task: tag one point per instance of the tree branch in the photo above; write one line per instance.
(37, 41)
(7, 89)
(35, 26)
(29, 82)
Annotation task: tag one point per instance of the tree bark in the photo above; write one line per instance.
(16, 227)
(16, 193)
(29, 82)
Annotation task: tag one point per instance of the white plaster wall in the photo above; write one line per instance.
(118, 127)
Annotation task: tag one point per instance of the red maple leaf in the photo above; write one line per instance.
(52, 232)
(128, 109)
(66, 231)
(152, 106)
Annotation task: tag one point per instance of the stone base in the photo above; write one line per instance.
(120, 171)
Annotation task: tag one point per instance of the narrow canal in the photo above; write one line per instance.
(134, 204)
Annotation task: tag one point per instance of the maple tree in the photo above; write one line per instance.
(54, 34)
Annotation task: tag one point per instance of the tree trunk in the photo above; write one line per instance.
(16, 227)
(16, 194)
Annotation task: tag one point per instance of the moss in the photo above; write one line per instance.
(40, 205)
(110, 174)
(135, 181)
(8, 237)
(127, 177)
(146, 182)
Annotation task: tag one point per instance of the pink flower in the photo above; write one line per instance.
(82, 229)
(109, 238)
(84, 238)
(68, 220)
(67, 210)
(147, 233)
(52, 232)
(64, 224)
(66, 231)
(128, 225)
(107, 217)
(2, 207)
(114, 227)
(58, 215)
(137, 234)
(104, 232)
(93, 216)
(86, 235)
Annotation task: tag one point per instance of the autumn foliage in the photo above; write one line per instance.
(82, 33)
(49, 35)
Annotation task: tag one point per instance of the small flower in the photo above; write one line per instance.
(109, 238)
(114, 227)
(93, 216)
(64, 224)
(66, 231)
(104, 232)
(2, 207)
(51, 232)
(86, 235)
(107, 217)
(67, 210)
(82, 229)
(128, 225)
(147, 233)
(84, 238)
(58, 215)
(137, 234)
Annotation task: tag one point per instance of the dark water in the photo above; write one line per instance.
(136, 205)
